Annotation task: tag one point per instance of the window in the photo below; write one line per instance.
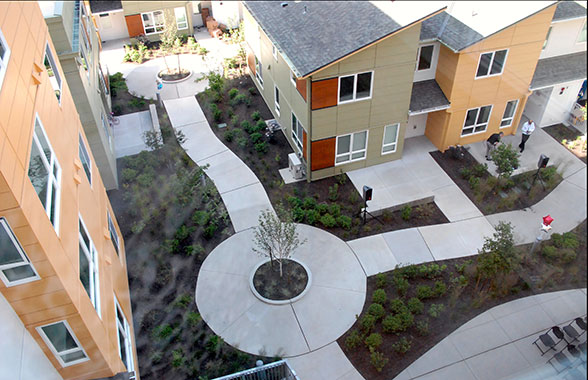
(258, 73)
(355, 87)
(153, 22)
(15, 266)
(509, 112)
(85, 158)
(425, 57)
(293, 78)
(84, 61)
(275, 53)
(297, 132)
(54, 76)
(103, 86)
(491, 63)
(351, 147)
(113, 234)
(476, 120)
(390, 138)
(125, 345)
(85, 28)
(4, 56)
(582, 35)
(181, 19)
(546, 38)
(63, 343)
(45, 173)
(277, 99)
(89, 266)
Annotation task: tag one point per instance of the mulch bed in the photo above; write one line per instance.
(174, 75)
(269, 284)
(491, 199)
(266, 166)
(535, 276)
(124, 103)
(560, 132)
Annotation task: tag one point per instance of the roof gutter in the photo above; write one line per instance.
(428, 110)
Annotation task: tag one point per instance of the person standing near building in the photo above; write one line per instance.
(526, 131)
(491, 143)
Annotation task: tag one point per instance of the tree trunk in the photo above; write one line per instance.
(166, 65)
(179, 68)
(280, 268)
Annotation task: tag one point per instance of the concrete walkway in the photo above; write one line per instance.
(128, 134)
(497, 344)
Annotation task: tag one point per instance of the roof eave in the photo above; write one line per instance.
(428, 110)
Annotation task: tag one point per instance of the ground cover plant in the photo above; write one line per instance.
(412, 308)
(496, 194)
(332, 204)
(171, 217)
(572, 139)
(123, 102)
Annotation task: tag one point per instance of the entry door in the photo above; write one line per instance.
(536, 104)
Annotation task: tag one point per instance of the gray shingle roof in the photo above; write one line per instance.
(105, 6)
(326, 32)
(427, 95)
(560, 69)
(567, 10)
(450, 31)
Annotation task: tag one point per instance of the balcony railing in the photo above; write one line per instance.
(279, 370)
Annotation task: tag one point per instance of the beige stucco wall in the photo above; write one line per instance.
(138, 7)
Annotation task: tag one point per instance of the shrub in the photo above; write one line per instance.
(549, 252)
(465, 173)
(260, 126)
(178, 358)
(424, 292)
(183, 301)
(567, 255)
(439, 289)
(128, 175)
(415, 305)
(312, 216)
(565, 240)
(480, 170)
(401, 284)
(378, 360)
(194, 250)
(163, 331)
(373, 341)
(402, 346)
(234, 120)
(255, 137)
(251, 90)
(233, 92)
(397, 305)
(261, 147)
(242, 142)
(367, 322)
(406, 212)
(228, 136)
(436, 309)
(240, 99)
(322, 208)
(246, 126)
(431, 271)
(379, 296)
(376, 310)
(200, 217)
(256, 115)
(334, 192)
(422, 327)
(335, 210)
(344, 221)
(213, 343)
(298, 214)
(406, 318)
(328, 221)
(391, 324)
(474, 182)
(353, 340)
(308, 202)
(506, 159)
(294, 201)
(381, 280)
(117, 109)
(210, 230)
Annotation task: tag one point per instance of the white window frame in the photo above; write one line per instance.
(70, 351)
(258, 71)
(351, 151)
(85, 156)
(25, 260)
(58, 79)
(392, 144)
(180, 24)
(514, 113)
(547, 38)
(275, 52)
(293, 78)
(354, 99)
(54, 172)
(580, 33)
(476, 125)
(155, 26)
(4, 60)
(277, 99)
(488, 75)
(92, 256)
(294, 125)
(84, 21)
(113, 233)
(419, 58)
(125, 329)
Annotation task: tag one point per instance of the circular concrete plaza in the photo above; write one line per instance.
(322, 315)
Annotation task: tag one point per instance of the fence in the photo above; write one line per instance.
(279, 370)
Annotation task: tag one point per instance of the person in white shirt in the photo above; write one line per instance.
(527, 129)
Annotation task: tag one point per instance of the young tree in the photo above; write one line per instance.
(276, 238)
(506, 159)
(168, 38)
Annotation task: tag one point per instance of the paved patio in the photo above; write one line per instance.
(128, 134)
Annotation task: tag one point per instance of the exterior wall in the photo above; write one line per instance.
(429, 73)
(92, 100)
(228, 13)
(111, 25)
(58, 294)
(456, 77)
(560, 103)
(416, 125)
(563, 38)
(131, 8)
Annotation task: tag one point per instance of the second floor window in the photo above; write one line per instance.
(351, 147)
(258, 73)
(4, 56)
(297, 132)
(425, 57)
(54, 76)
(89, 267)
(355, 87)
(85, 159)
(153, 22)
(113, 234)
(181, 19)
(509, 113)
(476, 120)
(15, 266)
(63, 343)
(491, 63)
(125, 345)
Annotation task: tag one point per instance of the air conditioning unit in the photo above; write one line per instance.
(295, 166)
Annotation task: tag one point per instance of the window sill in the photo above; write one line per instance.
(353, 100)
(350, 161)
(488, 76)
(474, 133)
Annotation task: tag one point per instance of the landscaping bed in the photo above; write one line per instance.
(171, 217)
(332, 204)
(122, 101)
(490, 194)
(569, 137)
(410, 309)
(269, 284)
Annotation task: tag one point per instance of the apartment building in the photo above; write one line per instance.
(78, 50)
(65, 303)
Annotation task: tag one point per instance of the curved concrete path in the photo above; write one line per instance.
(323, 314)
(497, 344)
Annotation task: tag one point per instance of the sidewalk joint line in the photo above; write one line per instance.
(299, 326)
(240, 187)
(212, 155)
(357, 258)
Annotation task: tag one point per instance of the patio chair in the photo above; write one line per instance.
(548, 341)
(581, 322)
(571, 332)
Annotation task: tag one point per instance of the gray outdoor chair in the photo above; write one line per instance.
(548, 341)
(571, 332)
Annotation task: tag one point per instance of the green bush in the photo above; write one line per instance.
(402, 346)
(246, 126)
(367, 322)
(474, 182)
(335, 210)
(506, 159)
(406, 212)
(255, 137)
(430, 271)
(409, 271)
(465, 173)
(373, 341)
(256, 115)
(415, 305)
(328, 221)
(397, 305)
(261, 148)
(334, 192)
(401, 284)
(298, 214)
(251, 90)
(549, 252)
(163, 331)
(228, 136)
(210, 230)
(128, 175)
(322, 208)
(294, 201)
(565, 240)
(183, 301)
(233, 92)
(240, 99)
(379, 296)
(422, 327)
(424, 292)
(406, 318)
(353, 340)
(378, 360)
(309, 203)
(567, 255)
(381, 280)
(177, 358)
(312, 216)
(436, 309)
(376, 310)
(344, 222)
(480, 170)
(391, 324)
(242, 142)
(200, 218)
(439, 289)
(260, 126)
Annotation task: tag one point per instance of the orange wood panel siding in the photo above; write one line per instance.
(251, 62)
(304, 144)
(134, 25)
(324, 93)
(301, 87)
(323, 154)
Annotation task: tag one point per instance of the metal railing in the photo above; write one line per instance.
(279, 370)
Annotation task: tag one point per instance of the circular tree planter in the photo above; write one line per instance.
(266, 284)
(174, 76)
